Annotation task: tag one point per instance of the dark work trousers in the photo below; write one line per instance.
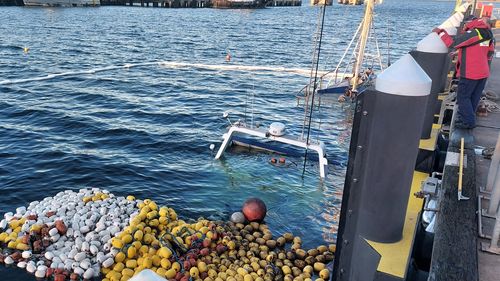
(468, 95)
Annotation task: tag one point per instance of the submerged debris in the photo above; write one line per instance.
(90, 233)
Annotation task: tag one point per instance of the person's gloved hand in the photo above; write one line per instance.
(437, 30)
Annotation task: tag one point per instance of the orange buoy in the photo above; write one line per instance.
(273, 160)
(254, 209)
(282, 160)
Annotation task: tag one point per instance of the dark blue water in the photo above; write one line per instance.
(146, 130)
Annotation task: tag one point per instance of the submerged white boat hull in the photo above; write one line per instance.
(265, 135)
(61, 3)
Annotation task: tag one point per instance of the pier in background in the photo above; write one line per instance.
(11, 3)
(184, 3)
(166, 3)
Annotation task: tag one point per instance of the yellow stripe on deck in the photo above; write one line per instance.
(430, 143)
(395, 256)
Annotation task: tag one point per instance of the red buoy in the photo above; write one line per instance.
(254, 209)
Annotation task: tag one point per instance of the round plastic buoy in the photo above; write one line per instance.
(254, 209)
(238, 217)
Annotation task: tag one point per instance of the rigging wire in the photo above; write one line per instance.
(245, 111)
(323, 10)
(388, 46)
(376, 57)
(319, 123)
(252, 106)
(253, 97)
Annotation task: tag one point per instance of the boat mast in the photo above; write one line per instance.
(365, 32)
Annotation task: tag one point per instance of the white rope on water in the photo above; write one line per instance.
(169, 64)
(69, 73)
(237, 67)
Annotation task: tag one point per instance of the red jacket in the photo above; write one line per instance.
(475, 49)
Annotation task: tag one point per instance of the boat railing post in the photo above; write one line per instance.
(493, 180)
(227, 139)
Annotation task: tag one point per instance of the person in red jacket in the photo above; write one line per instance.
(474, 48)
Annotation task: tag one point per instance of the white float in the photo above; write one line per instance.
(85, 245)
(147, 275)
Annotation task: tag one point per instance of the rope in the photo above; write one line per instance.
(487, 100)
(491, 95)
(175, 242)
(245, 110)
(388, 46)
(253, 99)
(252, 102)
(314, 86)
(491, 106)
(319, 123)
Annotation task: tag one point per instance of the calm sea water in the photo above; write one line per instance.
(146, 130)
